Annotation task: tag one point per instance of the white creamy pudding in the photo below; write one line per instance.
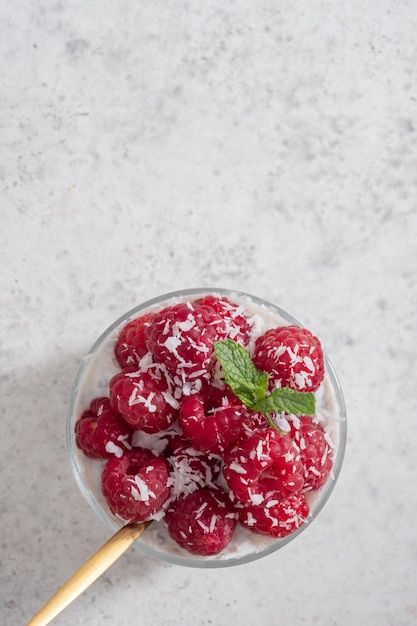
(100, 366)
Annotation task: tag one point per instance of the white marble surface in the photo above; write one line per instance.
(264, 146)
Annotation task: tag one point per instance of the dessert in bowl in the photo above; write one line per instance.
(214, 414)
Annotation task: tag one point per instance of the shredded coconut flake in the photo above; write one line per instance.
(309, 363)
(187, 324)
(200, 510)
(236, 467)
(203, 526)
(213, 522)
(259, 449)
(271, 503)
(123, 440)
(250, 519)
(169, 399)
(111, 448)
(142, 492)
(300, 380)
(172, 344)
(256, 498)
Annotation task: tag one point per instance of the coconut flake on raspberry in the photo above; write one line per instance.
(315, 452)
(173, 388)
(138, 398)
(231, 320)
(135, 485)
(292, 356)
(131, 342)
(100, 432)
(203, 522)
(181, 338)
(118, 450)
(190, 469)
(275, 516)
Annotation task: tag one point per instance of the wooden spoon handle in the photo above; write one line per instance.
(89, 572)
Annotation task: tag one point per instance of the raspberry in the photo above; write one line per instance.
(315, 450)
(181, 337)
(143, 400)
(131, 343)
(100, 432)
(213, 428)
(191, 469)
(215, 397)
(292, 356)
(230, 322)
(263, 461)
(203, 522)
(276, 516)
(136, 485)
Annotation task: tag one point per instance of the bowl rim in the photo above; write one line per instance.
(111, 522)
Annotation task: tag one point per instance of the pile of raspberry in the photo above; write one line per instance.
(180, 446)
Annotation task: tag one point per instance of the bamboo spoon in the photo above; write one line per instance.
(89, 572)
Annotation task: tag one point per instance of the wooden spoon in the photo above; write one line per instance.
(89, 572)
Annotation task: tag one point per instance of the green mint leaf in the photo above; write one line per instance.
(247, 383)
(288, 401)
(250, 385)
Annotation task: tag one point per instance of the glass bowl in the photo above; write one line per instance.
(91, 380)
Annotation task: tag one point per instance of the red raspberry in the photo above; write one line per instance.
(231, 321)
(203, 522)
(131, 343)
(190, 469)
(262, 462)
(213, 428)
(292, 356)
(215, 397)
(181, 337)
(100, 432)
(315, 450)
(276, 516)
(136, 485)
(143, 400)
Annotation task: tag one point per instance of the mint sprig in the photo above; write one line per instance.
(286, 400)
(250, 384)
(245, 380)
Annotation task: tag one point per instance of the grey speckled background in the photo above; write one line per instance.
(264, 146)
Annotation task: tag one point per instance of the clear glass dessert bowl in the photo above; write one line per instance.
(91, 381)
